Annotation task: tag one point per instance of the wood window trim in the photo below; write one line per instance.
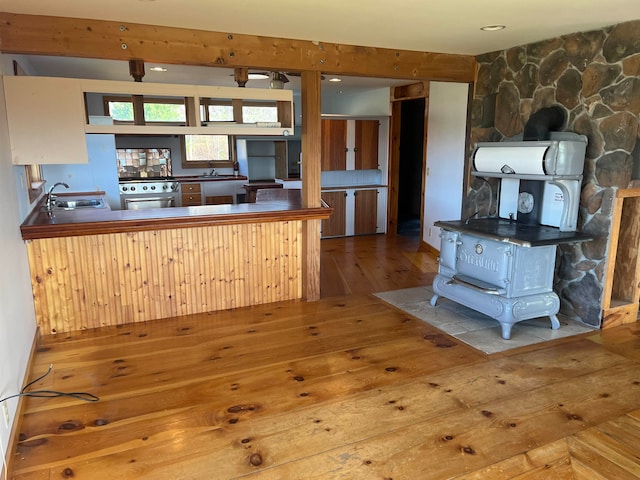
(106, 99)
(208, 163)
(33, 176)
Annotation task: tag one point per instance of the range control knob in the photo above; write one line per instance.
(153, 187)
(124, 189)
(133, 188)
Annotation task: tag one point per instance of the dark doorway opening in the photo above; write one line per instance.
(410, 168)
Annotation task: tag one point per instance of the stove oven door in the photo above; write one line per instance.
(139, 203)
(488, 261)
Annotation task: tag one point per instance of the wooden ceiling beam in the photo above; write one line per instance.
(75, 37)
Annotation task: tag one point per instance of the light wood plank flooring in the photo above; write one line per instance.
(343, 388)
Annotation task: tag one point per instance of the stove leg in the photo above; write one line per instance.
(555, 324)
(433, 300)
(506, 330)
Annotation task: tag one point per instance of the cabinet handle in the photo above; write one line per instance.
(355, 149)
(346, 149)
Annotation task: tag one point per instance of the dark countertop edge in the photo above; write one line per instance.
(39, 224)
(277, 213)
(562, 237)
(221, 178)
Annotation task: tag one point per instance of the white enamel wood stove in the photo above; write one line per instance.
(503, 267)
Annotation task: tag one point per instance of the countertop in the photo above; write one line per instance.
(95, 221)
(354, 187)
(513, 232)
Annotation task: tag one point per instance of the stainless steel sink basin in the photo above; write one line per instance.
(79, 203)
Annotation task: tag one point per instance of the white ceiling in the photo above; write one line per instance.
(451, 26)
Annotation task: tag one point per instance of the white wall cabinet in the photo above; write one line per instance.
(193, 97)
(46, 120)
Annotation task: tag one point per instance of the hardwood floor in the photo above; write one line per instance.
(343, 388)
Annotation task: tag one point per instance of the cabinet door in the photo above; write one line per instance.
(366, 144)
(334, 226)
(366, 212)
(46, 120)
(334, 145)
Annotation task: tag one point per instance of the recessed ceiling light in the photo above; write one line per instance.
(158, 69)
(258, 76)
(492, 28)
(335, 79)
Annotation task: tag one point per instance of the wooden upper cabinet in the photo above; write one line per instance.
(366, 144)
(334, 144)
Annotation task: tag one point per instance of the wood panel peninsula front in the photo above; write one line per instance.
(97, 267)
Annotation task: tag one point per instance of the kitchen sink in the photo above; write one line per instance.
(79, 203)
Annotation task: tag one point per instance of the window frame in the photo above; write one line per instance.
(185, 162)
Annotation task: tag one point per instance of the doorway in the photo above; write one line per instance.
(411, 161)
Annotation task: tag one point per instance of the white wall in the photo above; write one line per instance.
(17, 317)
(99, 174)
(362, 103)
(445, 156)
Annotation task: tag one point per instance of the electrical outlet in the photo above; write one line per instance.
(5, 411)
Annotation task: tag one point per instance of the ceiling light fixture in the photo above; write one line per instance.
(258, 76)
(276, 82)
(335, 79)
(158, 69)
(492, 28)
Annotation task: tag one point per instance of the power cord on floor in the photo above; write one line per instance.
(84, 396)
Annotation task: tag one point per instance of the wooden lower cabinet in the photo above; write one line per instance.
(355, 212)
(335, 225)
(191, 194)
(365, 212)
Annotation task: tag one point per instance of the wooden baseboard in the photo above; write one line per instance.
(17, 419)
(425, 247)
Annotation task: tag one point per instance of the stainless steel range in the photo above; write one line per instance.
(139, 193)
(504, 266)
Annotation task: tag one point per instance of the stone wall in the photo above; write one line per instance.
(595, 77)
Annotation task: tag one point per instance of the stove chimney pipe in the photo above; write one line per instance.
(542, 122)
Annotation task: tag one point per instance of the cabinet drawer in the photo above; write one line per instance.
(191, 188)
(189, 199)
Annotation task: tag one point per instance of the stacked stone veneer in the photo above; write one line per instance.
(595, 76)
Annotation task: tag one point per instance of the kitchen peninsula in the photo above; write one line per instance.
(98, 267)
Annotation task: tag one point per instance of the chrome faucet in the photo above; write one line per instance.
(50, 197)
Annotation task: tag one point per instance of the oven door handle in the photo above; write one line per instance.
(488, 290)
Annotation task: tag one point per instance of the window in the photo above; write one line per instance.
(169, 110)
(259, 112)
(207, 151)
(212, 110)
(198, 151)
